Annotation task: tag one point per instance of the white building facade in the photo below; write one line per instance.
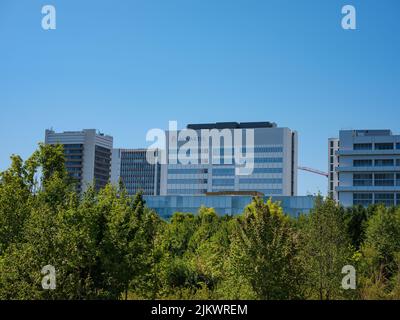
(87, 156)
(368, 168)
(275, 153)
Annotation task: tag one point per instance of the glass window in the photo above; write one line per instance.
(73, 163)
(268, 149)
(73, 157)
(384, 179)
(383, 146)
(73, 146)
(362, 179)
(186, 191)
(187, 171)
(362, 163)
(363, 199)
(384, 163)
(260, 181)
(72, 151)
(187, 181)
(267, 170)
(386, 199)
(224, 172)
(398, 145)
(264, 149)
(362, 146)
(268, 160)
(223, 182)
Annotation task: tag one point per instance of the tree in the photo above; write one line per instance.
(15, 203)
(97, 243)
(107, 245)
(355, 220)
(326, 250)
(381, 255)
(187, 243)
(383, 236)
(50, 224)
(264, 252)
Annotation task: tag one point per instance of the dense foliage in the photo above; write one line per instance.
(107, 245)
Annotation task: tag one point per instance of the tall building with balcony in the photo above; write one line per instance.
(368, 168)
(274, 153)
(87, 156)
(131, 168)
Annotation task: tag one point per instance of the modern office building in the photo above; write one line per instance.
(333, 163)
(87, 156)
(274, 155)
(368, 168)
(166, 206)
(131, 168)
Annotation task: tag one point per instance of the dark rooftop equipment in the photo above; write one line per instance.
(232, 125)
(249, 125)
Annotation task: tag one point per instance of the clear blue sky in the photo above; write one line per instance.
(125, 67)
